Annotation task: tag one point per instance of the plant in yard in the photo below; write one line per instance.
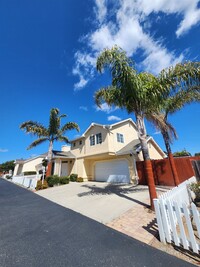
(135, 92)
(52, 180)
(142, 94)
(195, 187)
(73, 177)
(54, 132)
(79, 180)
(183, 85)
(41, 185)
(64, 180)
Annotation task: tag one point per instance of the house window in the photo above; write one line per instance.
(92, 140)
(120, 138)
(74, 144)
(98, 138)
(80, 142)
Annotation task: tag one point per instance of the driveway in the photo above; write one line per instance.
(102, 202)
(36, 232)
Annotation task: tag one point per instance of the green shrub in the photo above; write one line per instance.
(30, 173)
(73, 177)
(195, 187)
(64, 180)
(79, 179)
(8, 176)
(41, 186)
(52, 180)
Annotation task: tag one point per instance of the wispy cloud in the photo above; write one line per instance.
(3, 150)
(105, 108)
(114, 118)
(157, 132)
(128, 24)
(83, 108)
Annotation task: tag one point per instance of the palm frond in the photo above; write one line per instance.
(182, 98)
(70, 126)
(35, 128)
(160, 123)
(37, 142)
(62, 139)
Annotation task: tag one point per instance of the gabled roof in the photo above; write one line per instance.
(56, 154)
(105, 126)
(135, 147)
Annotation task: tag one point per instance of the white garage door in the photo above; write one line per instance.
(115, 171)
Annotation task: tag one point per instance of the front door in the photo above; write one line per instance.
(64, 168)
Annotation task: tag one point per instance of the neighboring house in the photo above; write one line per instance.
(103, 153)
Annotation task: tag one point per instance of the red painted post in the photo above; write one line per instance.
(173, 167)
(49, 167)
(150, 181)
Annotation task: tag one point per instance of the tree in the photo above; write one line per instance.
(197, 154)
(6, 166)
(183, 86)
(54, 132)
(182, 153)
(135, 92)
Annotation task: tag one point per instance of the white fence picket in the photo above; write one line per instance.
(173, 225)
(194, 244)
(159, 221)
(196, 217)
(174, 207)
(183, 239)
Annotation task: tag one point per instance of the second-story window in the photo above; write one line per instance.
(98, 138)
(120, 138)
(92, 140)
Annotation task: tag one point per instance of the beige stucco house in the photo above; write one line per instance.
(103, 153)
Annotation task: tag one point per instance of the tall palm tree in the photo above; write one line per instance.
(54, 132)
(173, 102)
(135, 92)
(141, 93)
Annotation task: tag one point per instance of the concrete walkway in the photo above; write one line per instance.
(122, 207)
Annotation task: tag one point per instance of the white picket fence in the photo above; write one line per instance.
(29, 181)
(176, 217)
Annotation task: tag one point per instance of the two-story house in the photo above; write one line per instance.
(105, 153)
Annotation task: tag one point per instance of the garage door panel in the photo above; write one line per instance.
(115, 171)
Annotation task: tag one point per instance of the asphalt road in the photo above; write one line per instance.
(35, 232)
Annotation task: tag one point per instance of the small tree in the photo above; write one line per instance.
(183, 153)
(54, 132)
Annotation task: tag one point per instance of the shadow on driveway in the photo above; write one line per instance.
(120, 190)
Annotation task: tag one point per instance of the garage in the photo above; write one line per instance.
(112, 171)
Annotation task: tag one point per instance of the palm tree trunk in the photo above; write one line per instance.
(147, 161)
(49, 157)
(171, 158)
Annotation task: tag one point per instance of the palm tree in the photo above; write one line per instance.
(54, 132)
(135, 92)
(142, 94)
(182, 84)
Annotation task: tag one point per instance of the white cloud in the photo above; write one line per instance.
(105, 108)
(114, 118)
(100, 10)
(128, 24)
(3, 150)
(157, 132)
(83, 108)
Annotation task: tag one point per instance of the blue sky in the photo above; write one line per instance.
(48, 52)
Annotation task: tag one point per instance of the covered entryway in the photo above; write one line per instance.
(112, 171)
